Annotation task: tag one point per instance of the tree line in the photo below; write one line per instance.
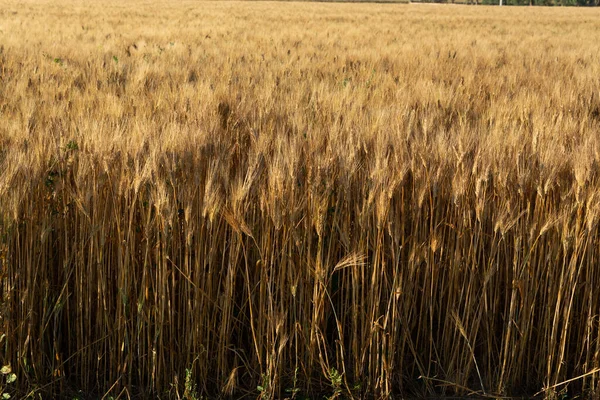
(582, 3)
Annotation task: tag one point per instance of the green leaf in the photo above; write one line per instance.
(72, 145)
(6, 396)
(6, 370)
(260, 388)
(11, 378)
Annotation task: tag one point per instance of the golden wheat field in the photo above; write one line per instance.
(293, 200)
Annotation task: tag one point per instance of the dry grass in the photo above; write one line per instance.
(343, 199)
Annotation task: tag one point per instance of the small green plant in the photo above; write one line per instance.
(72, 145)
(264, 387)
(52, 175)
(335, 378)
(563, 394)
(9, 377)
(115, 59)
(56, 60)
(191, 389)
(293, 391)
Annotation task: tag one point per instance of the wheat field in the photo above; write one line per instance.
(293, 200)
